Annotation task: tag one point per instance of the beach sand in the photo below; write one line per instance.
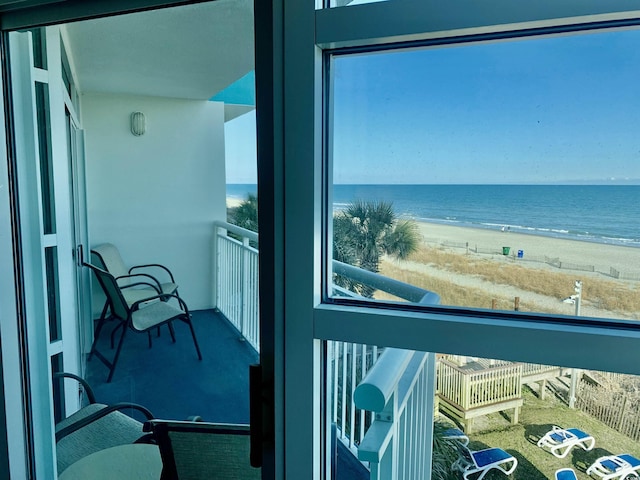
(233, 202)
(535, 249)
(601, 256)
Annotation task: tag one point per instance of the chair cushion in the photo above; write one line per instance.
(483, 458)
(113, 429)
(154, 314)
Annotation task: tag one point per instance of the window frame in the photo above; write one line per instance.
(308, 317)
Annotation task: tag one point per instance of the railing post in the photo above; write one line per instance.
(244, 281)
(215, 281)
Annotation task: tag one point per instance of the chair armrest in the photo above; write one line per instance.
(137, 284)
(164, 297)
(87, 388)
(156, 286)
(156, 265)
(74, 427)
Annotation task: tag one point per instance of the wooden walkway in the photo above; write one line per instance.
(468, 389)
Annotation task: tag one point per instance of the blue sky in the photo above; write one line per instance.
(564, 109)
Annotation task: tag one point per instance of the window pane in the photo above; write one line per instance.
(46, 158)
(39, 40)
(539, 418)
(53, 293)
(57, 366)
(496, 175)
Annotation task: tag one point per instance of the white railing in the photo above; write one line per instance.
(235, 279)
(235, 290)
(399, 389)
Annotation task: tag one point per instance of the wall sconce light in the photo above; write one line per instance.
(138, 123)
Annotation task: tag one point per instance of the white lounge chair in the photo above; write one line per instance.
(483, 461)
(566, 474)
(618, 467)
(560, 441)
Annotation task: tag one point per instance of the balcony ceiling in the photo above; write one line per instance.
(192, 51)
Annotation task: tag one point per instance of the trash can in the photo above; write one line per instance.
(505, 250)
(520, 253)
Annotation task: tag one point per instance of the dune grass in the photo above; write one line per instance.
(607, 294)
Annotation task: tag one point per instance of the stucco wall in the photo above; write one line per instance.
(155, 196)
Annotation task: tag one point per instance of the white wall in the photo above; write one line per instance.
(155, 196)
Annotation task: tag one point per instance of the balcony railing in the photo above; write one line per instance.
(399, 389)
(235, 295)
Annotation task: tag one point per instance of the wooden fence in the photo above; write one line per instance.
(614, 408)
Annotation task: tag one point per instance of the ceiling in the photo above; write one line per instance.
(192, 51)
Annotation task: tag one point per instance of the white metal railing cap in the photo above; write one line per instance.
(378, 386)
(243, 232)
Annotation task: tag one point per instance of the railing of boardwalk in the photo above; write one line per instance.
(399, 390)
(235, 277)
(472, 389)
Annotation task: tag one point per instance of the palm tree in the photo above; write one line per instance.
(367, 230)
(245, 215)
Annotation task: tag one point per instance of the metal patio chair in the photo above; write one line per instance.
(95, 427)
(140, 317)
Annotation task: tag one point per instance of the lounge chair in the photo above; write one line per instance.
(566, 474)
(560, 441)
(617, 467)
(457, 435)
(483, 461)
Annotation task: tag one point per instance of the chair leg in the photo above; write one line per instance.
(117, 355)
(150, 341)
(172, 332)
(193, 334)
(103, 318)
(113, 334)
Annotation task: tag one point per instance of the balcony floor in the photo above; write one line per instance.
(170, 381)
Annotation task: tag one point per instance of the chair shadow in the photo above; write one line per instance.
(533, 433)
(582, 459)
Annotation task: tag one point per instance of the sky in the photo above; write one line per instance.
(547, 110)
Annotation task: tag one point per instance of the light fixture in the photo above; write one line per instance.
(138, 123)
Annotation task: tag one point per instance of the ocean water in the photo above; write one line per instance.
(595, 213)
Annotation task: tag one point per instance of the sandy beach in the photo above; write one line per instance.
(535, 248)
(601, 256)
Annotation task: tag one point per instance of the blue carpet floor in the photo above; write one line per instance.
(170, 381)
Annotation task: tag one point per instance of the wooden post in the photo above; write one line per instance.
(622, 412)
(494, 304)
(516, 304)
(573, 387)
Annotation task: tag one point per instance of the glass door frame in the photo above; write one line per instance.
(22, 457)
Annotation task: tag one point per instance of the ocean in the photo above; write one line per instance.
(595, 213)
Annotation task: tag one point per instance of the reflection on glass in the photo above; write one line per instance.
(494, 175)
(531, 419)
(347, 3)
